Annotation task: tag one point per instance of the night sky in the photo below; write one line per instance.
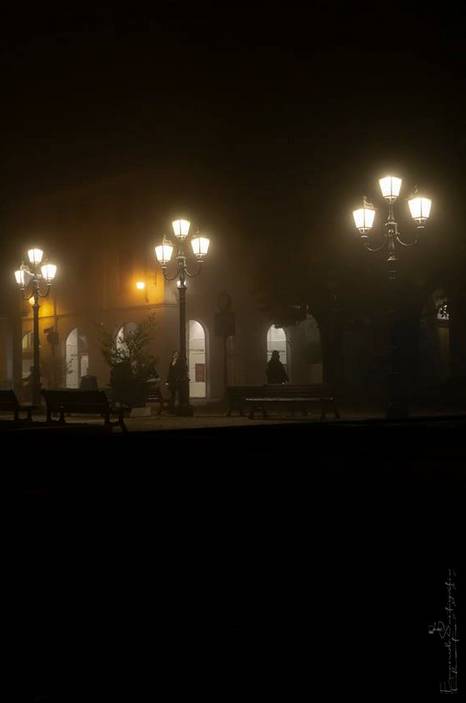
(290, 111)
(261, 120)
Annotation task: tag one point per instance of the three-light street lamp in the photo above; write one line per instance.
(364, 219)
(34, 282)
(163, 253)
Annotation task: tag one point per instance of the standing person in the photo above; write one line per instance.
(174, 379)
(276, 372)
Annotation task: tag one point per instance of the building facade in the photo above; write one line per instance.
(102, 238)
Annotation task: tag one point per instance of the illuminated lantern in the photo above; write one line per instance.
(390, 187)
(48, 272)
(200, 246)
(364, 217)
(181, 228)
(420, 209)
(35, 256)
(164, 252)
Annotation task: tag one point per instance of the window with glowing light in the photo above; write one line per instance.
(77, 358)
(27, 343)
(276, 341)
(197, 360)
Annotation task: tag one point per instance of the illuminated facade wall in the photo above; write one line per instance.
(102, 238)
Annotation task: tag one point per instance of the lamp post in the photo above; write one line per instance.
(163, 253)
(364, 218)
(34, 282)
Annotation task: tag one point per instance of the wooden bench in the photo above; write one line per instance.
(74, 401)
(236, 395)
(9, 403)
(293, 397)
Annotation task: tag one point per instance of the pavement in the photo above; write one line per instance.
(209, 416)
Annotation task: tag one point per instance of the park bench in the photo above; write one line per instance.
(236, 395)
(81, 402)
(9, 403)
(292, 397)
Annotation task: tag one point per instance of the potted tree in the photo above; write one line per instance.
(131, 364)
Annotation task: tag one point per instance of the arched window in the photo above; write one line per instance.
(276, 341)
(121, 334)
(27, 353)
(77, 358)
(197, 360)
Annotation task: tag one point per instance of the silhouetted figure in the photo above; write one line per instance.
(276, 372)
(175, 377)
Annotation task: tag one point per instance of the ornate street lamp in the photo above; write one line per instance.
(34, 282)
(364, 219)
(163, 253)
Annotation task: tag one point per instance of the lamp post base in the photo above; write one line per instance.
(184, 411)
(398, 397)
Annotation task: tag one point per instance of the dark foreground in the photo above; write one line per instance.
(285, 561)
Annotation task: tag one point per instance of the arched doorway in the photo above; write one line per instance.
(276, 341)
(77, 358)
(197, 360)
(27, 354)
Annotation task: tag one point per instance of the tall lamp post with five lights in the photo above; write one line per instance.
(35, 281)
(163, 253)
(364, 219)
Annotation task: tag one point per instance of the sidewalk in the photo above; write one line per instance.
(213, 416)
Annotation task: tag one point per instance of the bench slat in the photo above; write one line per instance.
(286, 395)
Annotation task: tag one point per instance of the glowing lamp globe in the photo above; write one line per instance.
(364, 218)
(35, 256)
(200, 246)
(181, 228)
(420, 209)
(20, 278)
(49, 272)
(390, 187)
(163, 253)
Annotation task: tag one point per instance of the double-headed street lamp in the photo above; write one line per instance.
(364, 219)
(34, 281)
(163, 253)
